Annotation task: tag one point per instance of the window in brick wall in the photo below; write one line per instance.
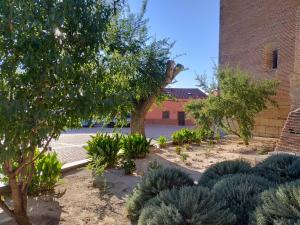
(166, 114)
(275, 59)
(271, 57)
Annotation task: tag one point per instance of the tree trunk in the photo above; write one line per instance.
(137, 124)
(141, 107)
(19, 198)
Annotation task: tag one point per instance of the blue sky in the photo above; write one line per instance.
(194, 25)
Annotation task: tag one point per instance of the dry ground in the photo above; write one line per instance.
(82, 199)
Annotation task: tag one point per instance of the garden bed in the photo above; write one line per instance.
(81, 198)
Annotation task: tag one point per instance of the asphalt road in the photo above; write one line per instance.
(69, 146)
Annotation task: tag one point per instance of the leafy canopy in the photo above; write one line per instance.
(236, 102)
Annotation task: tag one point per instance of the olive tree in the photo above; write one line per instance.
(146, 64)
(233, 106)
(51, 77)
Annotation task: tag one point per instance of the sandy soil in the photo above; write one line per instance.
(83, 199)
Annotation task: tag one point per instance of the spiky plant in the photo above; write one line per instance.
(151, 185)
(240, 194)
(218, 171)
(280, 206)
(188, 205)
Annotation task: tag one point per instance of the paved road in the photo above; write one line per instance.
(69, 146)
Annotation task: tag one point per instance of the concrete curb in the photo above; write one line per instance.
(65, 168)
(282, 152)
(168, 143)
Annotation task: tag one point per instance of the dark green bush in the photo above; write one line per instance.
(47, 173)
(135, 146)
(218, 171)
(189, 205)
(103, 151)
(240, 194)
(152, 184)
(280, 206)
(279, 168)
(129, 166)
(183, 136)
(163, 215)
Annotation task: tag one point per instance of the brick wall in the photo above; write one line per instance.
(290, 137)
(249, 31)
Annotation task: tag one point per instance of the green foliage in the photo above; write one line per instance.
(280, 206)
(183, 136)
(234, 108)
(137, 60)
(187, 147)
(46, 174)
(103, 151)
(163, 215)
(51, 77)
(154, 165)
(184, 156)
(129, 166)
(178, 150)
(240, 194)
(162, 141)
(220, 170)
(189, 205)
(135, 146)
(279, 168)
(151, 185)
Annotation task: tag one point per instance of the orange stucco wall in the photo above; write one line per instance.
(154, 116)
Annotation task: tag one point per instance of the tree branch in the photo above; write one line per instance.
(45, 149)
(5, 208)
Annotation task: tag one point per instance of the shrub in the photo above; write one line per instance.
(103, 151)
(163, 215)
(184, 156)
(279, 168)
(152, 184)
(135, 146)
(280, 206)
(189, 205)
(240, 194)
(162, 141)
(178, 150)
(47, 173)
(216, 172)
(154, 165)
(183, 136)
(129, 166)
(202, 134)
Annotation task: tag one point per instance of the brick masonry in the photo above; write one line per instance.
(290, 137)
(249, 32)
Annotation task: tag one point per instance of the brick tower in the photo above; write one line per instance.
(263, 38)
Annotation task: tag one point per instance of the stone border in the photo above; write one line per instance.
(65, 168)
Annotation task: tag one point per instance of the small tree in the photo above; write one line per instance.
(235, 104)
(143, 61)
(51, 76)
